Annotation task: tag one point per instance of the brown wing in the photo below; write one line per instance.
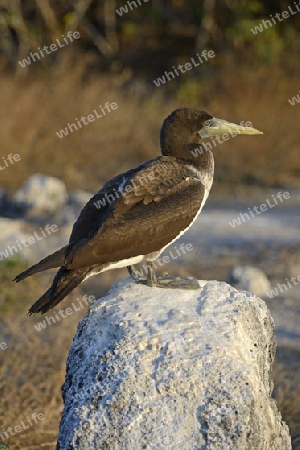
(163, 200)
(99, 207)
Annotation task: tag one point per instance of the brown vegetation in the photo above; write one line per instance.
(32, 111)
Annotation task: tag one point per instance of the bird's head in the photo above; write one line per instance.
(187, 129)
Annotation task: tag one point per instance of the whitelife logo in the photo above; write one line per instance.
(3, 345)
(292, 101)
(124, 188)
(24, 424)
(63, 313)
(274, 292)
(10, 250)
(206, 146)
(132, 5)
(86, 119)
(279, 17)
(9, 160)
(243, 217)
(183, 69)
(174, 253)
(53, 47)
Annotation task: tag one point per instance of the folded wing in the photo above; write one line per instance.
(158, 202)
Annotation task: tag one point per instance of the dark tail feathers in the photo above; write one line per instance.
(52, 261)
(64, 283)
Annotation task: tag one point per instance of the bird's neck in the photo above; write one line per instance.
(195, 154)
(201, 156)
(202, 162)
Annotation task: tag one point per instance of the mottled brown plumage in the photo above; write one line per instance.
(142, 221)
(138, 213)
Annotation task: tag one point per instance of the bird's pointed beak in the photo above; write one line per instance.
(217, 127)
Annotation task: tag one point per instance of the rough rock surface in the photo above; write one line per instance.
(154, 368)
(249, 278)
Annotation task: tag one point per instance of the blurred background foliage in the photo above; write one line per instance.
(150, 36)
(117, 58)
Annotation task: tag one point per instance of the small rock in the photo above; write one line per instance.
(40, 194)
(249, 278)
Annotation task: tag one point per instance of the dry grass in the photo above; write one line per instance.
(32, 371)
(32, 111)
(287, 390)
(32, 368)
(87, 157)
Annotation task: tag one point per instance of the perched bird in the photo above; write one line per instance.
(137, 214)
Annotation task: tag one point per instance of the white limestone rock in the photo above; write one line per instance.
(154, 368)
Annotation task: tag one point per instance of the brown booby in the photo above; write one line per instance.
(137, 214)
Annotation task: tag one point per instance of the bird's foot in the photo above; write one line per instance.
(151, 275)
(133, 273)
(164, 281)
(169, 282)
